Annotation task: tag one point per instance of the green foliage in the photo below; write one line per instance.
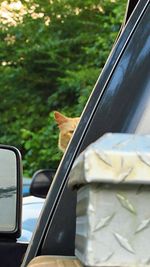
(36, 145)
(50, 61)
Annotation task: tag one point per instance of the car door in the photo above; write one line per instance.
(116, 105)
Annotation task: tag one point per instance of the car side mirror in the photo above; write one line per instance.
(41, 182)
(10, 192)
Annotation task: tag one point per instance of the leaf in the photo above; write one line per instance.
(124, 242)
(125, 203)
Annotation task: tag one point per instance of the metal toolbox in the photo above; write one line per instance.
(113, 202)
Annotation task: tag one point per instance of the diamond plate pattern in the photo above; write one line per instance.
(113, 206)
(116, 226)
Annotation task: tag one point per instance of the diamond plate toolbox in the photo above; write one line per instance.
(112, 177)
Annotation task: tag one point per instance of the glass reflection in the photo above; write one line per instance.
(8, 187)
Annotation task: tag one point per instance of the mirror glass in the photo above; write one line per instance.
(8, 190)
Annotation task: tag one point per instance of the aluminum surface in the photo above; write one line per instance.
(115, 158)
(113, 225)
(113, 203)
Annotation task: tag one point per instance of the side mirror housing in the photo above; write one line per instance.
(41, 182)
(10, 192)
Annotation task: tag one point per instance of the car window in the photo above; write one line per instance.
(121, 106)
(143, 126)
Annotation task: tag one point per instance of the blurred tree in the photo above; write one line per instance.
(51, 54)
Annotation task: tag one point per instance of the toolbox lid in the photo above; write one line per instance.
(113, 158)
